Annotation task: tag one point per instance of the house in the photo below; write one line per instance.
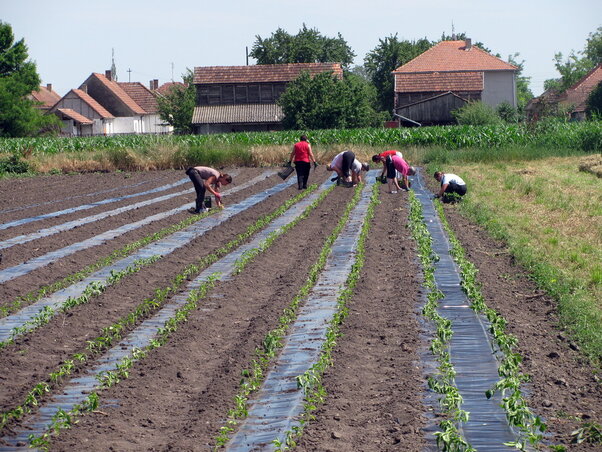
(446, 77)
(243, 98)
(45, 97)
(146, 99)
(574, 99)
(82, 115)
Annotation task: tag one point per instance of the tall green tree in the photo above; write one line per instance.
(523, 92)
(577, 64)
(326, 102)
(307, 46)
(18, 78)
(388, 55)
(594, 102)
(176, 107)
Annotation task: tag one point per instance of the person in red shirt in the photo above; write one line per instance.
(302, 156)
(382, 157)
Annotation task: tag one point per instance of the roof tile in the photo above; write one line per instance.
(452, 56)
(141, 95)
(102, 112)
(120, 93)
(72, 114)
(266, 73)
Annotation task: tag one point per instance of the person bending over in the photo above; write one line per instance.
(397, 164)
(450, 183)
(205, 178)
(382, 158)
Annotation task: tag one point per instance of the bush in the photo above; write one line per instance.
(476, 114)
(14, 165)
(508, 113)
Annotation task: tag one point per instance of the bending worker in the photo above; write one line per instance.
(303, 156)
(205, 178)
(394, 164)
(382, 157)
(450, 183)
(347, 167)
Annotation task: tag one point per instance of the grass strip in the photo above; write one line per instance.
(273, 341)
(115, 332)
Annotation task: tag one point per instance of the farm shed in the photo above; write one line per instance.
(439, 106)
(456, 67)
(243, 98)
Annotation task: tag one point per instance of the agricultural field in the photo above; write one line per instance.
(311, 319)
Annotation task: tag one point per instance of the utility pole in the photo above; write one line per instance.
(172, 72)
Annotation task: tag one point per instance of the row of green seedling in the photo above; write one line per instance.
(517, 411)
(92, 290)
(253, 377)
(117, 331)
(449, 438)
(125, 251)
(311, 381)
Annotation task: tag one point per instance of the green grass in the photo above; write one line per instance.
(549, 214)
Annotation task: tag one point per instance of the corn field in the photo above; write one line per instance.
(586, 136)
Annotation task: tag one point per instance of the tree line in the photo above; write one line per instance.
(364, 97)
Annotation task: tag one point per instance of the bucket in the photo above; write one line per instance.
(208, 202)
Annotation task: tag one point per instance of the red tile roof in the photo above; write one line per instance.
(439, 82)
(578, 93)
(237, 114)
(102, 112)
(266, 73)
(48, 97)
(120, 94)
(166, 87)
(453, 56)
(72, 114)
(141, 95)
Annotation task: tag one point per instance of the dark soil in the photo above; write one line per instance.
(177, 398)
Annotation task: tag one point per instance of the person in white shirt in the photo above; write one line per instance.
(450, 183)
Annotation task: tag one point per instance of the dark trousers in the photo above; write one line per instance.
(391, 171)
(199, 187)
(302, 169)
(348, 158)
(452, 187)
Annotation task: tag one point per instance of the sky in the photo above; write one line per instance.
(153, 39)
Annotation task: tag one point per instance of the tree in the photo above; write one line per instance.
(594, 102)
(307, 46)
(575, 67)
(387, 56)
(523, 92)
(325, 102)
(18, 78)
(176, 107)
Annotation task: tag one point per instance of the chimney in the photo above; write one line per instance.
(156, 83)
(467, 44)
(108, 74)
(49, 86)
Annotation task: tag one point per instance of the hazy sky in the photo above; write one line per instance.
(70, 39)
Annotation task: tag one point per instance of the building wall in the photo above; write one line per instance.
(499, 86)
(402, 99)
(154, 124)
(226, 128)
(252, 93)
(73, 102)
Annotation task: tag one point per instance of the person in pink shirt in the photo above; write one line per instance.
(205, 178)
(302, 156)
(396, 163)
(382, 158)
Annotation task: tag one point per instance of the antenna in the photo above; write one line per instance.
(453, 36)
(172, 72)
(129, 71)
